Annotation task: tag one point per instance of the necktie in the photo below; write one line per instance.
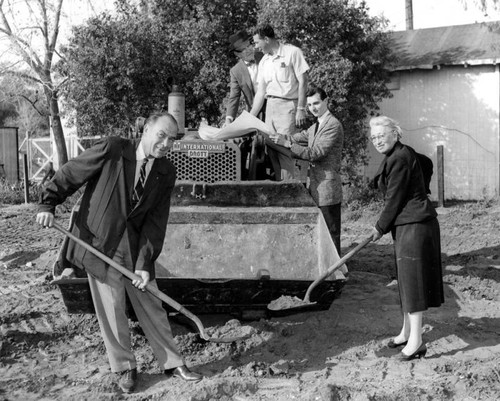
(139, 187)
(316, 127)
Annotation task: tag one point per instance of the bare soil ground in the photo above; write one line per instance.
(339, 354)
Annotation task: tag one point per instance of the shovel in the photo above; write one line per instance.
(153, 290)
(292, 304)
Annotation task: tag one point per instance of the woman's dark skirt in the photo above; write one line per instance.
(418, 260)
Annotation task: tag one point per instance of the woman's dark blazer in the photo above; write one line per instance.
(401, 179)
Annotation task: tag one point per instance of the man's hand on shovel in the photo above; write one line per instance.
(46, 219)
(141, 284)
(144, 280)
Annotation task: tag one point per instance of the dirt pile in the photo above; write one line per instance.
(286, 302)
(339, 354)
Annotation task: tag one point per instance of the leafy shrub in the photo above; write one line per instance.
(361, 195)
(123, 66)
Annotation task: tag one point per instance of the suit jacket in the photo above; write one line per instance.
(241, 83)
(427, 168)
(108, 169)
(402, 180)
(324, 153)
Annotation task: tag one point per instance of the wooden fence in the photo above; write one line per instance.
(9, 161)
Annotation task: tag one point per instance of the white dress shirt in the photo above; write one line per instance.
(139, 157)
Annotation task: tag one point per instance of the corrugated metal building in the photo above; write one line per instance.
(446, 91)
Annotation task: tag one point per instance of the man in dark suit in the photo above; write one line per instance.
(321, 145)
(123, 213)
(244, 82)
(243, 74)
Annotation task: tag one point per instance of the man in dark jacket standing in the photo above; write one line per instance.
(321, 145)
(243, 83)
(123, 214)
(243, 74)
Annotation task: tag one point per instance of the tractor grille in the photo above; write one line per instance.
(214, 168)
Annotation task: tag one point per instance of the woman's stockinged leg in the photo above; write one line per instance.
(415, 333)
(402, 337)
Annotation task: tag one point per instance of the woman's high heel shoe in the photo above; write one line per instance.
(392, 344)
(419, 353)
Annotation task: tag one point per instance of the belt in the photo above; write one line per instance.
(278, 97)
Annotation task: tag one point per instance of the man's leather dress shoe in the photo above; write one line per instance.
(128, 380)
(184, 373)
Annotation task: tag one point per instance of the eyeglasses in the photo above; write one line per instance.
(380, 137)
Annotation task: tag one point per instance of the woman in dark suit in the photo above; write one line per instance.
(410, 217)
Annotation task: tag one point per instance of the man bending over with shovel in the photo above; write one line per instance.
(123, 213)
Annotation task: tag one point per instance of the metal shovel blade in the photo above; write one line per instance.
(287, 304)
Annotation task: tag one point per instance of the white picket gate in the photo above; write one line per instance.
(40, 152)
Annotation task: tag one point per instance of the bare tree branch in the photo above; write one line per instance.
(34, 42)
(61, 56)
(23, 75)
(30, 57)
(33, 104)
(57, 18)
(34, 16)
(60, 84)
(12, 65)
(45, 31)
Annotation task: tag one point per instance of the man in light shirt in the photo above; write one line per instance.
(282, 81)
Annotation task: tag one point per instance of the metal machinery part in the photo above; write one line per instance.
(206, 162)
(231, 246)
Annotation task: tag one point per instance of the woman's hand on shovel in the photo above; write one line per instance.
(141, 284)
(375, 235)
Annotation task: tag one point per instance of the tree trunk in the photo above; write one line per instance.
(56, 125)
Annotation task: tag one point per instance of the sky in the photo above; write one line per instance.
(74, 12)
(432, 13)
(426, 14)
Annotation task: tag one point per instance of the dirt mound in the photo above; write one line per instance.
(286, 302)
(338, 354)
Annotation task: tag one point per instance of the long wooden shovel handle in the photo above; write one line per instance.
(132, 276)
(337, 265)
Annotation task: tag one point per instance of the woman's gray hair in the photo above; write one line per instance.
(385, 121)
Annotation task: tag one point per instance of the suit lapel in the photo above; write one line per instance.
(152, 185)
(130, 163)
(246, 81)
(321, 127)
